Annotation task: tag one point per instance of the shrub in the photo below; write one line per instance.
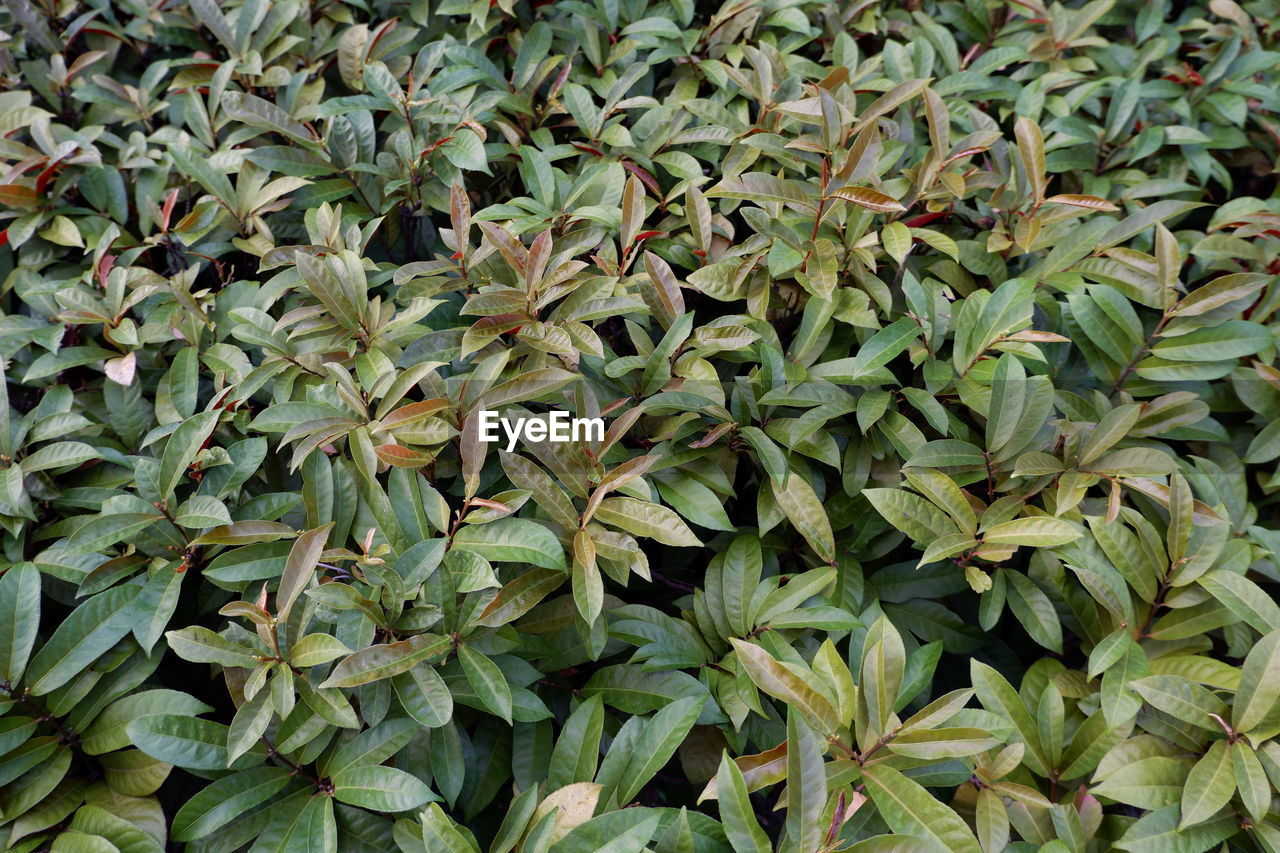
(934, 505)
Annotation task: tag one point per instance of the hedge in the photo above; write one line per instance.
(930, 353)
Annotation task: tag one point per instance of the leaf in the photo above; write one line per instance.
(1183, 699)
(800, 504)
(213, 181)
(108, 730)
(1210, 786)
(1259, 690)
(999, 697)
(61, 454)
(650, 520)
(762, 187)
(1031, 154)
(911, 810)
(515, 540)
(19, 619)
(912, 514)
(1040, 532)
(934, 744)
(244, 533)
(440, 833)
(870, 199)
(577, 750)
(92, 628)
(487, 680)
(200, 645)
(736, 812)
(380, 788)
(896, 239)
(662, 735)
(316, 649)
(1158, 832)
(386, 660)
(200, 511)
(663, 294)
(1112, 428)
(424, 695)
(884, 346)
(300, 566)
(1244, 598)
(573, 805)
(1222, 291)
(1232, 339)
(781, 682)
(258, 112)
(1092, 202)
(1250, 780)
(226, 799)
(466, 151)
(1150, 783)
(103, 531)
(187, 742)
(519, 596)
(806, 785)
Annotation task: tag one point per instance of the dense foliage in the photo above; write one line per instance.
(937, 347)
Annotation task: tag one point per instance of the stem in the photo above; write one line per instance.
(1142, 351)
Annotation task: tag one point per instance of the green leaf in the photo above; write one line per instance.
(380, 788)
(1259, 690)
(187, 742)
(736, 812)
(316, 649)
(787, 684)
(911, 810)
(800, 504)
(371, 746)
(1182, 699)
(912, 514)
(514, 540)
(577, 750)
(109, 730)
(487, 680)
(519, 596)
(245, 533)
(424, 695)
(896, 239)
(1150, 783)
(806, 785)
(19, 619)
(92, 628)
(61, 454)
(258, 112)
(226, 799)
(1039, 532)
(466, 151)
(999, 697)
(1210, 786)
(181, 448)
(1251, 780)
(440, 833)
(662, 735)
(386, 660)
(650, 520)
(200, 645)
(1232, 339)
(1244, 598)
(200, 511)
(199, 168)
(880, 349)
